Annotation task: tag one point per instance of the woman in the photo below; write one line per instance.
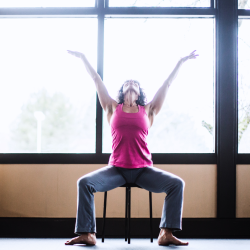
(130, 160)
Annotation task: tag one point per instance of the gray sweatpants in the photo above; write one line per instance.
(150, 178)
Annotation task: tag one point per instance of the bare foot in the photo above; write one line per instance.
(166, 238)
(85, 238)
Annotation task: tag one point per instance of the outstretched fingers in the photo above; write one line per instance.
(192, 55)
(75, 53)
(70, 52)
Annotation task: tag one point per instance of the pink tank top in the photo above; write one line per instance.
(129, 133)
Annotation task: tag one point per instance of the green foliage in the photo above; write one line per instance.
(242, 126)
(208, 126)
(57, 127)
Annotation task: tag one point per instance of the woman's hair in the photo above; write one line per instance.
(142, 99)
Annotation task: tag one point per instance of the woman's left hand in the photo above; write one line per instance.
(192, 55)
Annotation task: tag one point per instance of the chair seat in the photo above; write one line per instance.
(130, 185)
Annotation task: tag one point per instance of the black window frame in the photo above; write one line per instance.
(226, 154)
(101, 10)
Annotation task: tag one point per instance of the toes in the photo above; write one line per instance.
(69, 242)
(174, 241)
(180, 243)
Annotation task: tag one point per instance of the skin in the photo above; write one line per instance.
(131, 92)
(84, 238)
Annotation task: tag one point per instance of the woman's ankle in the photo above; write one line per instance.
(166, 230)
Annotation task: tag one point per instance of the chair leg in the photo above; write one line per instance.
(126, 214)
(104, 215)
(129, 210)
(150, 211)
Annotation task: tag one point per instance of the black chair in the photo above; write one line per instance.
(127, 212)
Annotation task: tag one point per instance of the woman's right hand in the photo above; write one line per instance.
(76, 53)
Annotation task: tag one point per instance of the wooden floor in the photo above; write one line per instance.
(138, 244)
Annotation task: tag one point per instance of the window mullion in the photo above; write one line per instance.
(212, 3)
(100, 51)
(226, 110)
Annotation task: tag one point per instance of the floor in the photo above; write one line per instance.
(58, 244)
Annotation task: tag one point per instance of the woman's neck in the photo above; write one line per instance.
(130, 99)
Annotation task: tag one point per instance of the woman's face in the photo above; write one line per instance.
(131, 85)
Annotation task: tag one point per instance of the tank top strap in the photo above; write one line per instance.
(118, 108)
(139, 108)
(142, 108)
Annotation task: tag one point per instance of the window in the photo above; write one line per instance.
(47, 3)
(159, 3)
(243, 86)
(39, 31)
(243, 4)
(147, 49)
(47, 98)
(53, 108)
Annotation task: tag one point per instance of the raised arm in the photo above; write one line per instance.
(155, 105)
(105, 100)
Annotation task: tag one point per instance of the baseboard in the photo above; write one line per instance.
(115, 228)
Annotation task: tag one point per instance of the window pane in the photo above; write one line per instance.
(159, 3)
(243, 4)
(147, 49)
(47, 99)
(47, 3)
(243, 86)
